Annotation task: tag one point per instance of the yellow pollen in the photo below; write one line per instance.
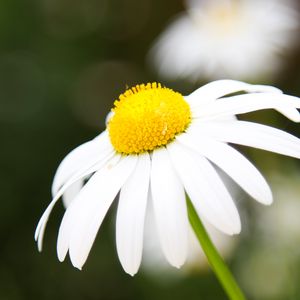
(147, 117)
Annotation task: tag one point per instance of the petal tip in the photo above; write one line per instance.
(40, 243)
(268, 202)
(77, 263)
(61, 256)
(177, 263)
(79, 267)
(131, 272)
(130, 269)
(237, 231)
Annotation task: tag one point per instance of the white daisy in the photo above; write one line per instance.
(227, 38)
(159, 145)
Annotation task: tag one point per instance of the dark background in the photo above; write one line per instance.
(62, 64)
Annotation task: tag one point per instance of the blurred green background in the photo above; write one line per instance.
(62, 64)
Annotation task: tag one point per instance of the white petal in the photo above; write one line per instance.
(250, 134)
(250, 102)
(220, 88)
(205, 188)
(84, 155)
(91, 205)
(169, 208)
(66, 225)
(71, 192)
(131, 216)
(81, 173)
(241, 170)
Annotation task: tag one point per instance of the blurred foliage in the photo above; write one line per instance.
(62, 64)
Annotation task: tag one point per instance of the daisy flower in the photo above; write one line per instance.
(159, 145)
(226, 38)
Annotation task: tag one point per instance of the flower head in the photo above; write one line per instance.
(146, 117)
(227, 38)
(159, 145)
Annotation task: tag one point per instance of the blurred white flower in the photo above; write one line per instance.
(160, 144)
(239, 39)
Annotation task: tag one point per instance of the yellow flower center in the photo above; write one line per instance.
(147, 117)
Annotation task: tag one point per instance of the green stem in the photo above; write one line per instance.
(217, 263)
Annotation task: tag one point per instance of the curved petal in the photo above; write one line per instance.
(71, 192)
(205, 188)
(250, 134)
(131, 216)
(90, 207)
(169, 208)
(250, 102)
(66, 225)
(82, 173)
(241, 170)
(84, 155)
(221, 88)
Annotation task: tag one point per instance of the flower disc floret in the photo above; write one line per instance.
(147, 117)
